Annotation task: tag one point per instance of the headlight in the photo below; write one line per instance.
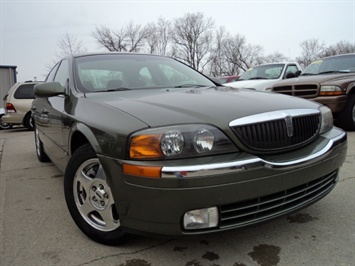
(172, 143)
(327, 119)
(181, 141)
(203, 140)
(330, 90)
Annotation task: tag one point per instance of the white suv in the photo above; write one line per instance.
(18, 103)
(263, 77)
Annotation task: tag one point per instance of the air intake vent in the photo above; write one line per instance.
(260, 209)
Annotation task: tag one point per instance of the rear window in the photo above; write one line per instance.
(25, 91)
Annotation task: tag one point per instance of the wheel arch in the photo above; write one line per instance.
(351, 88)
(80, 135)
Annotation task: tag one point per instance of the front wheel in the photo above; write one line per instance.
(89, 198)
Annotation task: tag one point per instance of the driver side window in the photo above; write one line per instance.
(292, 69)
(51, 74)
(63, 73)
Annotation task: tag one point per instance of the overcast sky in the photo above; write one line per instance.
(30, 30)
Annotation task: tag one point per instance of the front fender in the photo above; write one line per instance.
(81, 134)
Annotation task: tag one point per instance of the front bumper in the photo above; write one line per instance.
(335, 103)
(246, 189)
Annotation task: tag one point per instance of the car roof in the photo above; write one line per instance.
(116, 53)
(340, 55)
(275, 63)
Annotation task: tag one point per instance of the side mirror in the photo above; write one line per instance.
(48, 89)
(290, 75)
(297, 73)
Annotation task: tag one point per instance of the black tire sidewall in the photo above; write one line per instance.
(28, 122)
(345, 120)
(41, 155)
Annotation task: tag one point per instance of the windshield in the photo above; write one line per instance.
(133, 71)
(271, 71)
(336, 64)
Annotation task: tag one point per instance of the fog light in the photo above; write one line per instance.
(200, 219)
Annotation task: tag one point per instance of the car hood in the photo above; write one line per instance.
(218, 106)
(318, 79)
(257, 84)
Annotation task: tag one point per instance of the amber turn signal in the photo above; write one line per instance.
(143, 171)
(145, 146)
(328, 93)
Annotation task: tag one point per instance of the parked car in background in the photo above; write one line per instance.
(329, 81)
(149, 145)
(263, 77)
(227, 79)
(18, 103)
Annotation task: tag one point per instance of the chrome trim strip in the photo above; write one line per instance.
(271, 116)
(230, 167)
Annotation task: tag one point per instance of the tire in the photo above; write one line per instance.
(4, 125)
(28, 122)
(89, 198)
(347, 118)
(41, 155)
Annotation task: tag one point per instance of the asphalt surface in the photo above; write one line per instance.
(36, 227)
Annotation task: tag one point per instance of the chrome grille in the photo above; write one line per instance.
(265, 208)
(275, 135)
(304, 91)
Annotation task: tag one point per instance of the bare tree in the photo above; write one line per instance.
(242, 55)
(274, 57)
(342, 47)
(193, 40)
(218, 65)
(112, 41)
(131, 38)
(159, 37)
(136, 35)
(192, 36)
(152, 38)
(68, 44)
(312, 49)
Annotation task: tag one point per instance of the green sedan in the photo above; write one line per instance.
(149, 145)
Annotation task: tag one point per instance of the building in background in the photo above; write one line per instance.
(8, 77)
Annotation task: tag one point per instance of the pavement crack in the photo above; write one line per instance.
(346, 178)
(126, 253)
(26, 168)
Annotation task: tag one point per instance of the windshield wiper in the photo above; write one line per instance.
(258, 78)
(308, 74)
(191, 85)
(118, 89)
(334, 71)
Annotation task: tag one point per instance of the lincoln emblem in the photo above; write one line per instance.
(289, 126)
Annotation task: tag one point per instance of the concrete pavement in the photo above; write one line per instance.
(36, 227)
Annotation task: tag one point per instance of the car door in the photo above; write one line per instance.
(290, 69)
(49, 112)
